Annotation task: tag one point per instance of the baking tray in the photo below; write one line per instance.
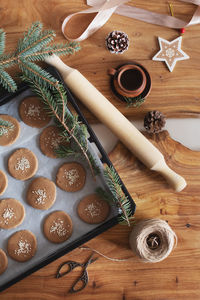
(4, 99)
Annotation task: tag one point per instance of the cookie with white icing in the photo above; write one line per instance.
(22, 164)
(50, 140)
(3, 182)
(32, 112)
(12, 213)
(93, 210)
(9, 130)
(41, 193)
(58, 227)
(3, 262)
(71, 177)
(22, 245)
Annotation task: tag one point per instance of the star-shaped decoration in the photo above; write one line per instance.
(170, 52)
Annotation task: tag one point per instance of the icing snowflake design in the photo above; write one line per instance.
(41, 196)
(33, 110)
(170, 52)
(22, 164)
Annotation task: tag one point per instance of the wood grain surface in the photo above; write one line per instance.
(175, 94)
(177, 277)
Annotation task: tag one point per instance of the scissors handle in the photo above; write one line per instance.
(84, 281)
(71, 265)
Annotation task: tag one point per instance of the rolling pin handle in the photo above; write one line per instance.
(175, 180)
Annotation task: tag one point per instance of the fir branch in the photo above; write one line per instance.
(2, 41)
(38, 43)
(49, 99)
(135, 102)
(61, 49)
(34, 46)
(7, 60)
(93, 163)
(113, 182)
(63, 152)
(5, 126)
(31, 70)
(7, 82)
(30, 36)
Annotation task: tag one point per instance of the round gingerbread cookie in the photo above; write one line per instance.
(22, 245)
(58, 227)
(22, 164)
(3, 182)
(93, 210)
(12, 213)
(32, 112)
(3, 261)
(41, 193)
(9, 130)
(71, 177)
(50, 140)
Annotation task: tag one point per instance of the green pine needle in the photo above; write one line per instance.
(118, 197)
(2, 41)
(55, 101)
(33, 71)
(135, 102)
(64, 151)
(32, 34)
(33, 46)
(7, 82)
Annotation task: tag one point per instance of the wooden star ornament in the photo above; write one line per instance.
(170, 52)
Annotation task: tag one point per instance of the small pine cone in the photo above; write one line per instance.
(154, 121)
(117, 42)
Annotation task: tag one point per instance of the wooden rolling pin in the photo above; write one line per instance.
(109, 115)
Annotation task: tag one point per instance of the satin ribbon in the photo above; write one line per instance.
(104, 10)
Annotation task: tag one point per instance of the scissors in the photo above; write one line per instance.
(84, 278)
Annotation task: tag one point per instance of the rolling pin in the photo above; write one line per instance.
(109, 115)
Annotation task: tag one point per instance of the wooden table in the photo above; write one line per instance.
(175, 94)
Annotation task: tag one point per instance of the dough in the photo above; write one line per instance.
(58, 227)
(3, 261)
(22, 245)
(9, 135)
(32, 112)
(92, 209)
(3, 182)
(71, 177)
(22, 164)
(12, 213)
(50, 140)
(41, 193)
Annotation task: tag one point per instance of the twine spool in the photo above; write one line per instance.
(152, 240)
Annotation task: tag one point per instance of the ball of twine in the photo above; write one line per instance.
(152, 240)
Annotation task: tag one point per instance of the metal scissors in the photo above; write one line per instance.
(84, 278)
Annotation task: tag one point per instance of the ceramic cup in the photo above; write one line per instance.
(129, 80)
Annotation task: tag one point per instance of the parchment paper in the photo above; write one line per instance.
(29, 138)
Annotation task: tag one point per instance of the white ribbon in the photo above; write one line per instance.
(104, 10)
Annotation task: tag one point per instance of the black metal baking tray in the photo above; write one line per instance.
(4, 98)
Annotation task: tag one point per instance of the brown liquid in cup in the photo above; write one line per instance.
(131, 79)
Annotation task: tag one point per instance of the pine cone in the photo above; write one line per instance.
(154, 121)
(117, 42)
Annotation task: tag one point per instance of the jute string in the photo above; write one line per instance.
(151, 240)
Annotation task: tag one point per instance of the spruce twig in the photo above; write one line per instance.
(117, 196)
(135, 102)
(56, 106)
(34, 46)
